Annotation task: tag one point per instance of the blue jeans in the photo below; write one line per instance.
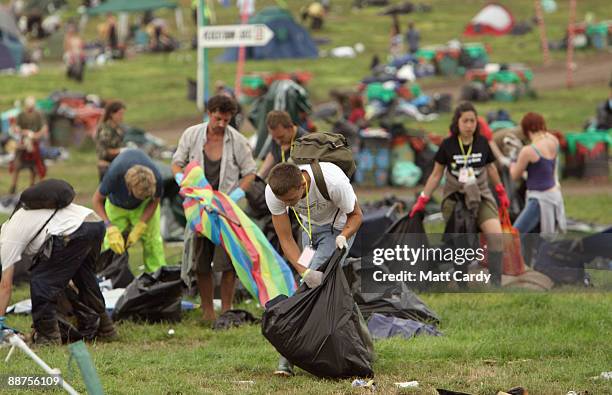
(526, 222)
(529, 218)
(324, 244)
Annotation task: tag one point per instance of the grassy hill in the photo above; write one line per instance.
(154, 86)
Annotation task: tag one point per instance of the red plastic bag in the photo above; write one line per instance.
(513, 262)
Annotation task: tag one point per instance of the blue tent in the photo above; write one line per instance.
(290, 39)
(11, 44)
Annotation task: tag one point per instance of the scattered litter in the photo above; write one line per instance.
(244, 382)
(171, 332)
(606, 375)
(361, 383)
(407, 384)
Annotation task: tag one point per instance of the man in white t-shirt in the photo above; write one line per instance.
(70, 239)
(326, 224)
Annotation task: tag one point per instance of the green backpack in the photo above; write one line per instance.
(313, 148)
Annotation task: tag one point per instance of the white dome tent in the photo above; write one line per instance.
(493, 19)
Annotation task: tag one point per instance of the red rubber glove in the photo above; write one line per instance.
(419, 205)
(504, 202)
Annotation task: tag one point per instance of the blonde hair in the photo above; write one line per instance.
(140, 182)
(30, 102)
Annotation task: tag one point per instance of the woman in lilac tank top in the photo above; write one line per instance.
(539, 159)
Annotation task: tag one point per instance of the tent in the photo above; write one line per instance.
(130, 6)
(11, 43)
(123, 7)
(290, 39)
(493, 19)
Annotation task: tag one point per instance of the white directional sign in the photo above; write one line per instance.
(224, 36)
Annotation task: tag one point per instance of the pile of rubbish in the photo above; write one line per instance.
(452, 58)
(587, 35)
(505, 83)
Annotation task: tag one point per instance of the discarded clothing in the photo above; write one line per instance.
(234, 318)
(383, 327)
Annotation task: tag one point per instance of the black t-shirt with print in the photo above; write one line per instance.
(449, 154)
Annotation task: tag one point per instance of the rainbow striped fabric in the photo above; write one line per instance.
(262, 271)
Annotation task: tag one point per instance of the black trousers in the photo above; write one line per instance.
(73, 257)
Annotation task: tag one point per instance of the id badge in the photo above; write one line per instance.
(471, 176)
(306, 256)
(463, 175)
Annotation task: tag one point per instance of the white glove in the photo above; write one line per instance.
(312, 278)
(341, 242)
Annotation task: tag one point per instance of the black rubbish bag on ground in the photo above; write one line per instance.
(115, 267)
(321, 330)
(152, 297)
(562, 261)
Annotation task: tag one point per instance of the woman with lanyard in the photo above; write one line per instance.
(466, 159)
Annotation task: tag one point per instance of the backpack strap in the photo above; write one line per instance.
(319, 179)
(43, 227)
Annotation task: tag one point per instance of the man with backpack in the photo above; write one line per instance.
(284, 133)
(65, 247)
(321, 197)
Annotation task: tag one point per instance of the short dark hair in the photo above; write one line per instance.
(278, 118)
(222, 104)
(462, 107)
(284, 177)
(111, 108)
(532, 122)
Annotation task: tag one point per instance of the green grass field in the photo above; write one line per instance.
(154, 86)
(548, 343)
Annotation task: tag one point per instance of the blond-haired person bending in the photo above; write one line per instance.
(128, 199)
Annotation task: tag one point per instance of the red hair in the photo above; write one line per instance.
(533, 122)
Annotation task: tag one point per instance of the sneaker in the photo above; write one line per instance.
(284, 369)
(287, 372)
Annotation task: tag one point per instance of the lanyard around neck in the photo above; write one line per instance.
(290, 150)
(309, 230)
(465, 157)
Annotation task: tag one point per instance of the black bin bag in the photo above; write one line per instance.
(115, 267)
(321, 330)
(152, 297)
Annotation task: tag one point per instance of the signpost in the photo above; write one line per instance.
(202, 72)
(222, 36)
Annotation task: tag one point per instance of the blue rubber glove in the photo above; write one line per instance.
(236, 194)
(3, 326)
(178, 177)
